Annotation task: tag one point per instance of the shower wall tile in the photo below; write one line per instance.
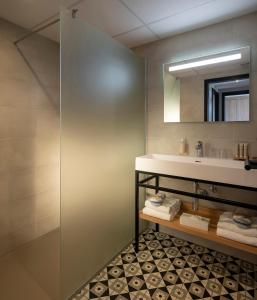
(12, 63)
(29, 137)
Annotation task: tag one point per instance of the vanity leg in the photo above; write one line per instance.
(136, 210)
(156, 191)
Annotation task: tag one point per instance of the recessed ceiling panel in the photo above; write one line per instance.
(110, 16)
(136, 37)
(210, 13)
(153, 10)
(28, 13)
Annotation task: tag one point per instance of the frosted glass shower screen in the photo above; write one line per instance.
(102, 120)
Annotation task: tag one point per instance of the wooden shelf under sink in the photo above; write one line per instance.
(208, 235)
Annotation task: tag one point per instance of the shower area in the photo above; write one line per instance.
(72, 121)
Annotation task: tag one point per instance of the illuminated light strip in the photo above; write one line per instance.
(206, 62)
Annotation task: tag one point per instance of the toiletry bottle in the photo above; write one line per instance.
(246, 151)
(182, 146)
(236, 151)
(241, 150)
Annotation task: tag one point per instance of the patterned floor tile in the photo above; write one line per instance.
(158, 254)
(198, 291)
(129, 249)
(118, 286)
(172, 252)
(245, 281)
(142, 246)
(83, 294)
(194, 260)
(207, 258)
(203, 272)
(149, 236)
(215, 288)
(115, 272)
(143, 256)
(140, 295)
(128, 258)
(166, 243)
(101, 276)
(218, 270)
(98, 289)
(169, 268)
(171, 278)
(179, 242)
(180, 263)
(136, 283)
(117, 261)
(160, 293)
(187, 275)
(164, 264)
(179, 292)
(132, 269)
(153, 245)
(148, 267)
(154, 280)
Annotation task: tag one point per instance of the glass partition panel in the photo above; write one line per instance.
(102, 120)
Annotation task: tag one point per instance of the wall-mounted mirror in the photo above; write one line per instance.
(214, 88)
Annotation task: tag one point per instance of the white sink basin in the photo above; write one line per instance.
(211, 169)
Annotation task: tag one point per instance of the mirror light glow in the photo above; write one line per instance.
(206, 62)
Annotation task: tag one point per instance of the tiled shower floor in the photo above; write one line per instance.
(170, 268)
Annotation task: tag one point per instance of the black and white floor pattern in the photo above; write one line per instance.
(170, 268)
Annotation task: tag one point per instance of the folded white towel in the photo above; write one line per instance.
(226, 222)
(236, 237)
(160, 215)
(168, 206)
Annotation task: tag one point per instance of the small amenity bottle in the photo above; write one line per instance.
(182, 147)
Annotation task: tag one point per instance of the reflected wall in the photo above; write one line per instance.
(103, 130)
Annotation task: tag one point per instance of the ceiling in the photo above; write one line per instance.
(132, 22)
(235, 84)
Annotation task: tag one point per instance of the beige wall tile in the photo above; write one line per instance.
(29, 137)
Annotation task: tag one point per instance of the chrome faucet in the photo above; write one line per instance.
(200, 191)
(199, 149)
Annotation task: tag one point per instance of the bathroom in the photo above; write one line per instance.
(108, 118)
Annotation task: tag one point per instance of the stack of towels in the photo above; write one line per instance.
(238, 228)
(161, 207)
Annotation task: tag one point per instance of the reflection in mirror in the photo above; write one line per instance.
(208, 89)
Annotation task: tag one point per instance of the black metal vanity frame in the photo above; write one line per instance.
(144, 183)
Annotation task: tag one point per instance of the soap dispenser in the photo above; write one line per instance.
(199, 149)
(182, 147)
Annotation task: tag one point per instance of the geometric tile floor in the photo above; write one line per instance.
(170, 268)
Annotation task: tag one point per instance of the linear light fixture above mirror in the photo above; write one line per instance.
(206, 62)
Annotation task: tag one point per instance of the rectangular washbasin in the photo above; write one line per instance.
(210, 169)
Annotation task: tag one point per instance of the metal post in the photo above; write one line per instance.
(156, 191)
(195, 204)
(136, 210)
